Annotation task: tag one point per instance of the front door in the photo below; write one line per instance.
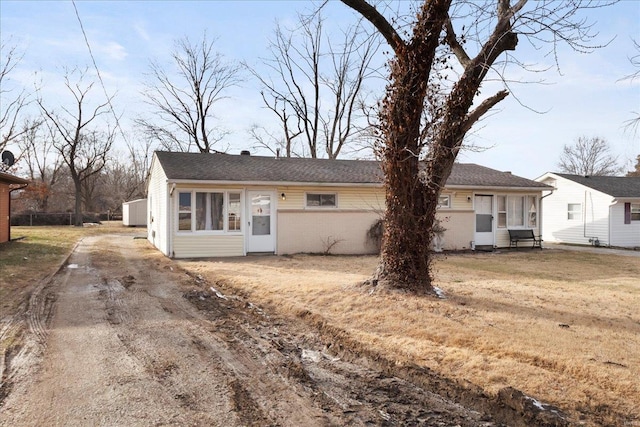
(484, 220)
(261, 222)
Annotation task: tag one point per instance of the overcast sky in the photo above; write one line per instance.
(587, 97)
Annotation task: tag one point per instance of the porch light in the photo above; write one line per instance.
(283, 196)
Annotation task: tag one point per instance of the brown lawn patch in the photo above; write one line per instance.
(561, 326)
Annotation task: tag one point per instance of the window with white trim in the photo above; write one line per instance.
(574, 211)
(516, 211)
(532, 211)
(444, 201)
(635, 211)
(502, 211)
(321, 200)
(214, 211)
(184, 211)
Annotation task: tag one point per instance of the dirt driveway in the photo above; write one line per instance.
(122, 337)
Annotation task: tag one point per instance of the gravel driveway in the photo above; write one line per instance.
(122, 337)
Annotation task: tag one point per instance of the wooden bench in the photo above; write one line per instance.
(516, 236)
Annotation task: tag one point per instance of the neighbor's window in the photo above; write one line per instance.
(444, 201)
(635, 211)
(502, 211)
(184, 211)
(321, 200)
(574, 211)
(214, 211)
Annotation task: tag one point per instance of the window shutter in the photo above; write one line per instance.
(627, 213)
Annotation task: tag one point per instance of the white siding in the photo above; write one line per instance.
(623, 235)
(594, 214)
(158, 209)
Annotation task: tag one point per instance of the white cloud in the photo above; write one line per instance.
(114, 51)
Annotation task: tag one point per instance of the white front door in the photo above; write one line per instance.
(484, 220)
(261, 221)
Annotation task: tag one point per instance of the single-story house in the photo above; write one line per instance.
(592, 210)
(134, 213)
(8, 183)
(209, 205)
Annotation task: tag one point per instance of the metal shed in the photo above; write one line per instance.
(134, 213)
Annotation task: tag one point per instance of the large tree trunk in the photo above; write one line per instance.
(410, 204)
(78, 204)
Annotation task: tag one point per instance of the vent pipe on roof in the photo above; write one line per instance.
(245, 153)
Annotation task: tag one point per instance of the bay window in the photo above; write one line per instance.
(517, 211)
(214, 211)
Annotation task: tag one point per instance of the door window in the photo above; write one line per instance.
(261, 215)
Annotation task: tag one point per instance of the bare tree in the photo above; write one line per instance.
(183, 100)
(636, 170)
(589, 157)
(476, 34)
(42, 160)
(634, 123)
(12, 100)
(84, 147)
(314, 86)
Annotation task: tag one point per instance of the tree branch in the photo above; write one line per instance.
(482, 109)
(456, 48)
(372, 15)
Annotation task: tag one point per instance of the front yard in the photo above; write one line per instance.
(562, 326)
(559, 325)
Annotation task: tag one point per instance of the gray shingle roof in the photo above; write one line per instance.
(615, 186)
(239, 168)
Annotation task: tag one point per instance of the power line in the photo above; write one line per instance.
(95, 65)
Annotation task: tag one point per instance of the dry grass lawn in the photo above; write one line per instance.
(561, 326)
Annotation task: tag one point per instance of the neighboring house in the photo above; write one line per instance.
(134, 213)
(208, 205)
(592, 210)
(7, 184)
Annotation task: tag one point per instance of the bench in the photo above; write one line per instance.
(516, 236)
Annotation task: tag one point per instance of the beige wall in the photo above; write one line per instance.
(311, 231)
(459, 228)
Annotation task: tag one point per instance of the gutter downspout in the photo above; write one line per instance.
(541, 211)
(611, 205)
(169, 216)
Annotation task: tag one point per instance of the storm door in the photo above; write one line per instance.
(261, 222)
(484, 220)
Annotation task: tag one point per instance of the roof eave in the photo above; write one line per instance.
(274, 183)
(497, 188)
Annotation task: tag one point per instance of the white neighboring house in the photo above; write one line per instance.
(592, 210)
